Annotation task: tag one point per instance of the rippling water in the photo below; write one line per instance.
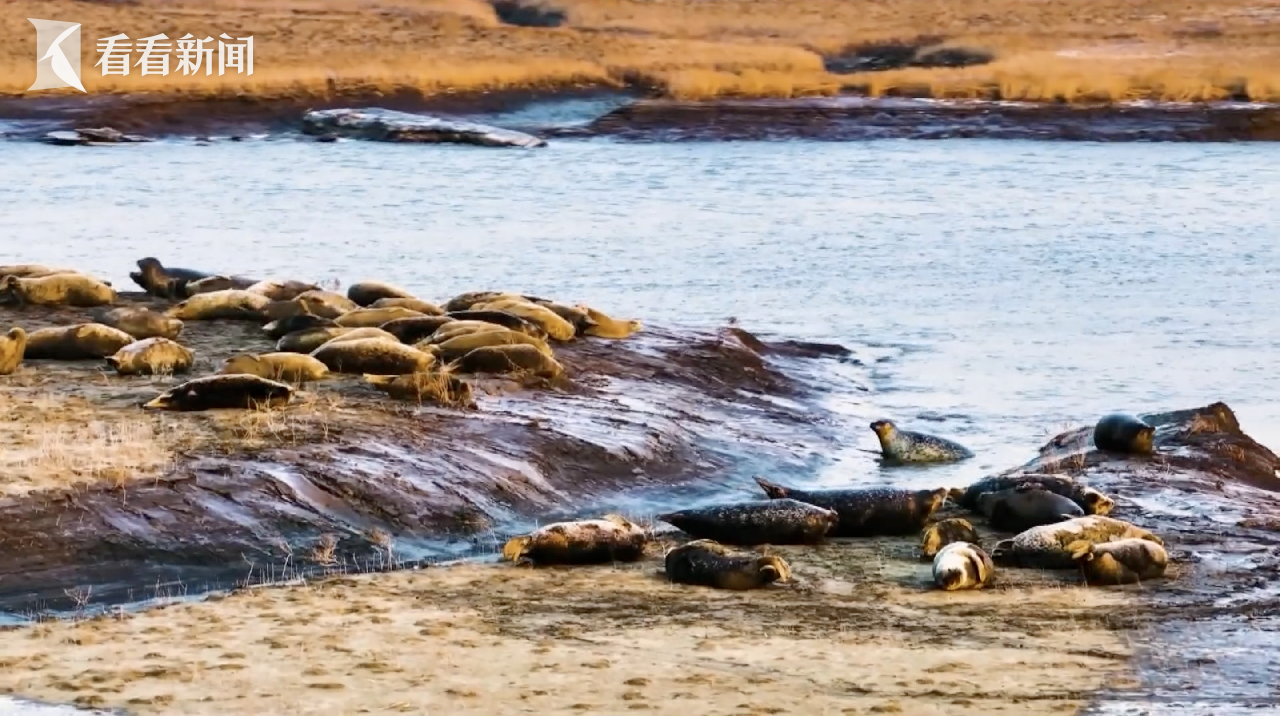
(997, 290)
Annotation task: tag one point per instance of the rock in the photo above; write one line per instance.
(385, 125)
(91, 135)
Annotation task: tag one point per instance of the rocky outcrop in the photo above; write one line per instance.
(90, 135)
(385, 125)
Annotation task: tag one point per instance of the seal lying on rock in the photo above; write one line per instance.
(217, 392)
(377, 356)
(868, 511)
(356, 334)
(501, 318)
(82, 341)
(61, 289)
(576, 317)
(612, 538)
(182, 288)
(556, 327)
(602, 326)
(283, 327)
(32, 270)
(464, 301)
(1045, 546)
(365, 293)
(373, 317)
(325, 304)
(157, 280)
(1124, 434)
(463, 328)
(436, 387)
(413, 330)
(509, 359)
(152, 356)
(1026, 506)
(1124, 561)
(281, 290)
(309, 339)
(707, 563)
(284, 367)
(1090, 500)
(426, 308)
(945, 532)
(455, 348)
(905, 446)
(13, 345)
(231, 304)
(961, 565)
(140, 322)
(781, 521)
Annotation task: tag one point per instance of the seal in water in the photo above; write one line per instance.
(215, 392)
(231, 304)
(945, 532)
(412, 330)
(1126, 434)
(284, 367)
(156, 279)
(426, 308)
(868, 511)
(301, 322)
(12, 347)
(707, 563)
(378, 356)
(781, 521)
(152, 356)
(373, 317)
(612, 538)
(602, 326)
(82, 341)
(365, 293)
(501, 318)
(905, 446)
(1026, 506)
(436, 387)
(281, 290)
(140, 322)
(556, 327)
(1089, 499)
(61, 289)
(456, 347)
(1045, 547)
(504, 360)
(962, 565)
(1124, 561)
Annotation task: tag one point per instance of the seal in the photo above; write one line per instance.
(182, 288)
(502, 360)
(612, 538)
(157, 280)
(455, 348)
(281, 290)
(464, 301)
(781, 521)
(1123, 433)
(219, 392)
(231, 304)
(602, 326)
(1026, 506)
(309, 339)
(905, 446)
(355, 334)
(378, 356)
(707, 563)
(501, 318)
(62, 289)
(366, 293)
(1124, 561)
(301, 322)
(556, 327)
(962, 565)
(413, 330)
(426, 308)
(868, 511)
(284, 367)
(945, 532)
(32, 270)
(461, 328)
(82, 341)
(1045, 547)
(139, 322)
(152, 356)
(373, 317)
(576, 317)
(319, 303)
(439, 387)
(13, 346)
(1090, 500)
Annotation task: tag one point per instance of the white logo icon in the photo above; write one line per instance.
(57, 55)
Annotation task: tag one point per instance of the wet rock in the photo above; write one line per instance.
(89, 135)
(384, 125)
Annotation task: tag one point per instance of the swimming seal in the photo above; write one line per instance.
(13, 346)
(945, 532)
(503, 360)
(62, 289)
(377, 356)
(365, 293)
(961, 565)
(1124, 561)
(455, 348)
(1090, 500)
(157, 280)
(868, 511)
(781, 521)
(1045, 547)
(82, 341)
(152, 356)
(219, 392)
(612, 538)
(905, 446)
(1026, 506)
(707, 563)
(602, 326)
(436, 387)
(373, 317)
(301, 322)
(413, 330)
(284, 367)
(139, 322)
(232, 304)
(426, 308)
(501, 318)
(1126, 434)
(281, 290)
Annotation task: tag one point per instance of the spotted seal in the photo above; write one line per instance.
(1124, 561)
(284, 367)
(437, 387)
(1026, 506)
(612, 538)
(1090, 500)
(944, 532)
(152, 356)
(377, 356)
(868, 511)
(1045, 547)
(61, 289)
(218, 392)
(158, 280)
(780, 521)
(707, 563)
(509, 359)
(501, 318)
(301, 322)
(365, 293)
(82, 341)
(905, 446)
(962, 565)
(231, 304)
(139, 322)
(13, 346)
(1123, 433)
(426, 308)
(602, 326)
(418, 328)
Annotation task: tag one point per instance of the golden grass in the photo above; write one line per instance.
(692, 49)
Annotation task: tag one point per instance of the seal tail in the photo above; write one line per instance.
(773, 490)
(1002, 550)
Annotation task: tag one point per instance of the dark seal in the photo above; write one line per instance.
(782, 521)
(1090, 500)
(415, 328)
(1026, 506)
(222, 392)
(501, 318)
(158, 280)
(1123, 433)
(869, 511)
(907, 447)
(706, 563)
(1125, 561)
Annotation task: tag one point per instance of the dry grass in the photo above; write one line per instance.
(1044, 50)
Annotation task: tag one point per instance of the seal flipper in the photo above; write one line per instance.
(774, 491)
(1081, 549)
(1002, 550)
